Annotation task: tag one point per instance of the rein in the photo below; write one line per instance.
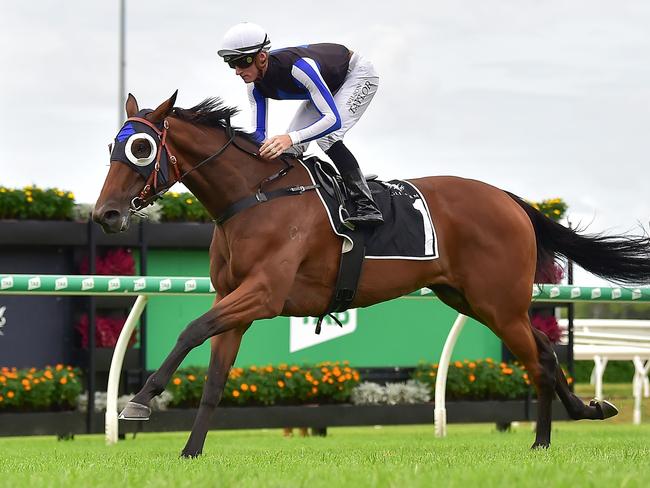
(151, 192)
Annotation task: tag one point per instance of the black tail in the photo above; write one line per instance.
(621, 259)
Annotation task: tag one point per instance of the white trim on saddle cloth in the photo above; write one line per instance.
(431, 240)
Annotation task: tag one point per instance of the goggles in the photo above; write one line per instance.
(241, 62)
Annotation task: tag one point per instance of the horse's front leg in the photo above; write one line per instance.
(222, 356)
(254, 299)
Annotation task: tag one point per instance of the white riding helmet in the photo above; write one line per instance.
(244, 38)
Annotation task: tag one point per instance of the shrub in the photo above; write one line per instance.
(270, 385)
(113, 262)
(553, 208)
(35, 203)
(52, 388)
(182, 207)
(107, 331)
(478, 380)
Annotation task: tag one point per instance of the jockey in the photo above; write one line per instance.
(336, 85)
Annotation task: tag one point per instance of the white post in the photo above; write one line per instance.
(116, 368)
(640, 372)
(600, 363)
(439, 412)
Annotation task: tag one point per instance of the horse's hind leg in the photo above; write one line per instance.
(540, 364)
(596, 410)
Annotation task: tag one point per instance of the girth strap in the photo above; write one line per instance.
(261, 197)
(347, 279)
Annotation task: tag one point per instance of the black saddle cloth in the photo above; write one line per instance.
(407, 231)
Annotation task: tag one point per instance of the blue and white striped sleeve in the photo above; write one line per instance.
(305, 71)
(259, 105)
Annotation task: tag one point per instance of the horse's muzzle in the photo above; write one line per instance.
(112, 220)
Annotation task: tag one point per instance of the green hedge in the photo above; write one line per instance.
(615, 372)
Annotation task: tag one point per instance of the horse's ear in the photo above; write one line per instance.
(131, 106)
(163, 109)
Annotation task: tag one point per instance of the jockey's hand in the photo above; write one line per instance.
(275, 146)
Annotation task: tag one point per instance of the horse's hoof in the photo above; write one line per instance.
(605, 408)
(190, 455)
(539, 445)
(135, 411)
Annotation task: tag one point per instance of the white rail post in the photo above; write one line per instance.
(600, 363)
(440, 412)
(116, 369)
(640, 372)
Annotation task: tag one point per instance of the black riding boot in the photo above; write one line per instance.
(365, 210)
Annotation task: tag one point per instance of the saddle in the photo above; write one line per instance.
(407, 231)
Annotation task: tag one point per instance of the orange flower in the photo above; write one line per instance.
(2, 399)
(63, 380)
(281, 383)
(336, 372)
(25, 382)
(341, 379)
(269, 369)
(472, 365)
(324, 369)
(71, 375)
(177, 381)
(27, 388)
(32, 370)
(10, 394)
(472, 378)
(191, 377)
(3, 379)
(48, 374)
(489, 360)
(253, 388)
(458, 364)
(347, 369)
(253, 368)
(348, 376)
(507, 371)
(235, 393)
(315, 382)
(569, 379)
(244, 387)
(36, 381)
(355, 375)
(59, 367)
(314, 389)
(294, 368)
(330, 381)
(288, 374)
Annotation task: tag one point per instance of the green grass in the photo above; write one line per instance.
(583, 454)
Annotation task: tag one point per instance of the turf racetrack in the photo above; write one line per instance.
(582, 454)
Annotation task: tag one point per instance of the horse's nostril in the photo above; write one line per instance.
(111, 216)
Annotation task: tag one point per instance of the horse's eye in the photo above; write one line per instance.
(141, 149)
(110, 148)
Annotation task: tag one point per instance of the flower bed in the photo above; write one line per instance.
(478, 380)
(32, 390)
(270, 385)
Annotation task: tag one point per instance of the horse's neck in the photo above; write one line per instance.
(224, 180)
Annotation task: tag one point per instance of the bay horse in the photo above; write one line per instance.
(281, 258)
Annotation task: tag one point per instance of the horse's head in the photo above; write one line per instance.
(139, 166)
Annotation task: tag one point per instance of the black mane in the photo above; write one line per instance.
(211, 112)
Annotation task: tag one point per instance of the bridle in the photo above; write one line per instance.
(151, 192)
